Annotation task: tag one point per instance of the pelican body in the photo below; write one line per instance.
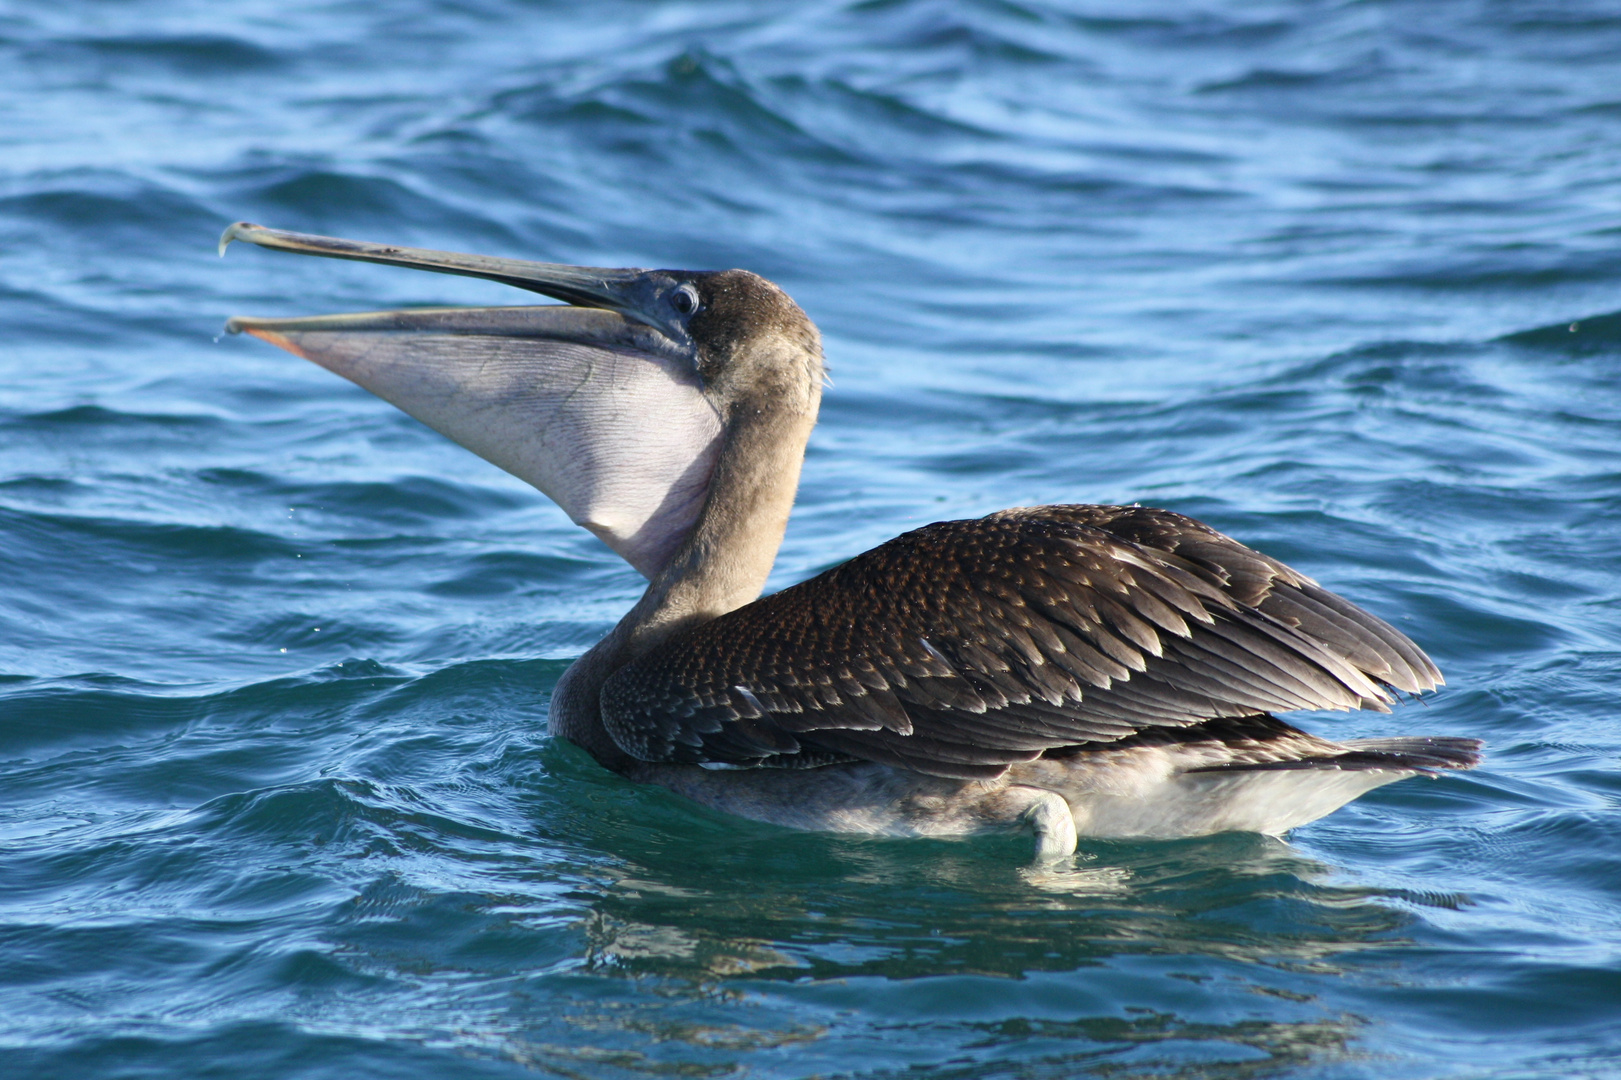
(1108, 671)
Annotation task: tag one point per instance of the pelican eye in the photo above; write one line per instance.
(684, 300)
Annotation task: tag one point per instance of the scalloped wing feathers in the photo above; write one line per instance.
(966, 646)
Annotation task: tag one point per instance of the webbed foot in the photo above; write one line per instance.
(1049, 815)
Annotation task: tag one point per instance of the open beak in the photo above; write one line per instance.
(597, 404)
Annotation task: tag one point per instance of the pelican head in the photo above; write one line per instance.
(615, 406)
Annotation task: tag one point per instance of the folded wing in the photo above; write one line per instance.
(964, 647)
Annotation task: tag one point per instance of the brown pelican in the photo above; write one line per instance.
(1075, 670)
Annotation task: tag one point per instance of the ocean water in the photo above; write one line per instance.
(1340, 277)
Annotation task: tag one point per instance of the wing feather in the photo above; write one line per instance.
(966, 646)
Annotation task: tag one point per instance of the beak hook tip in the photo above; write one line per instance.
(235, 231)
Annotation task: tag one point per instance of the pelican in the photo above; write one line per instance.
(1100, 671)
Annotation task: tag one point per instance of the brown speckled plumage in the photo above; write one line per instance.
(966, 646)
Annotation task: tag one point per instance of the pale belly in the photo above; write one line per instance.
(1143, 792)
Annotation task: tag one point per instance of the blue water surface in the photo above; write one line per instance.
(1341, 277)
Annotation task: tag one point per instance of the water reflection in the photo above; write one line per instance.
(879, 909)
(699, 945)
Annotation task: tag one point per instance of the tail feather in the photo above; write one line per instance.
(1419, 753)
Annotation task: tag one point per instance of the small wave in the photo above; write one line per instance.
(82, 208)
(179, 54)
(1597, 335)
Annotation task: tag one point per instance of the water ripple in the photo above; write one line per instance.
(274, 659)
